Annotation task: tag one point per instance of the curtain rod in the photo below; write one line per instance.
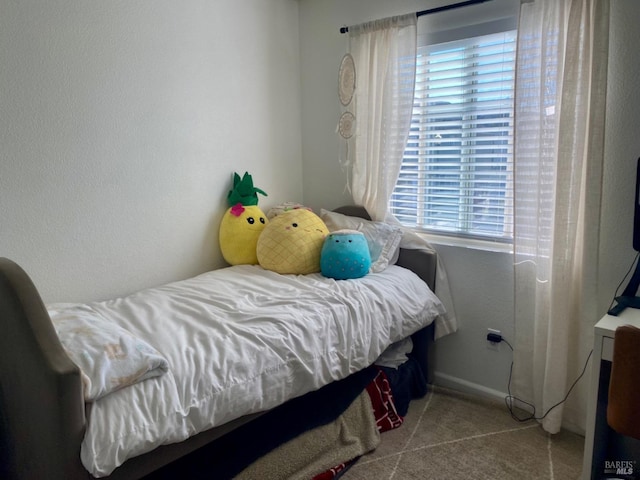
(436, 10)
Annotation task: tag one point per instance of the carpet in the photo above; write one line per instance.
(452, 435)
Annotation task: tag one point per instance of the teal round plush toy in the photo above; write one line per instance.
(345, 254)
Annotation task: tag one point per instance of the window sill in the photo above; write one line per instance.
(473, 243)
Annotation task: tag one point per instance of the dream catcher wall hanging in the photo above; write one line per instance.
(346, 79)
(347, 121)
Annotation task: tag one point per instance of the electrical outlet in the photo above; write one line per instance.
(493, 345)
(495, 332)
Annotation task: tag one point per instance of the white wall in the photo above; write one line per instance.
(481, 281)
(121, 124)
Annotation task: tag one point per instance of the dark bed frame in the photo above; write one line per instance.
(42, 410)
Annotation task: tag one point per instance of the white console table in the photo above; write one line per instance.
(596, 412)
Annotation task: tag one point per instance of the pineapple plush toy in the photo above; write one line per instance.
(292, 242)
(242, 223)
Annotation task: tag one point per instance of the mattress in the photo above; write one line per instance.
(241, 340)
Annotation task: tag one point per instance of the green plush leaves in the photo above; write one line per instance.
(243, 191)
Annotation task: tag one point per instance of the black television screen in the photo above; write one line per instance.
(629, 297)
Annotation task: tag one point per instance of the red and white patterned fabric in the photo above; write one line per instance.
(379, 391)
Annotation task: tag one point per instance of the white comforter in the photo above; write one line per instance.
(241, 340)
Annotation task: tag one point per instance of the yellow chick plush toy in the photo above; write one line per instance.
(242, 223)
(292, 242)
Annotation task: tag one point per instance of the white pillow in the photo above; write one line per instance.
(383, 239)
(108, 356)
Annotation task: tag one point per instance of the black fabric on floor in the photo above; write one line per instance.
(407, 382)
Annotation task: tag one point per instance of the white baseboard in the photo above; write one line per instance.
(454, 383)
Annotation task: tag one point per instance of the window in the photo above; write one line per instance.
(456, 174)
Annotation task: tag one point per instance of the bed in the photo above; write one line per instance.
(49, 430)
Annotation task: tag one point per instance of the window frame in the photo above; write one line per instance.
(468, 236)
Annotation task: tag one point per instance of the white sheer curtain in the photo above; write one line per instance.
(560, 112)
(384, 53)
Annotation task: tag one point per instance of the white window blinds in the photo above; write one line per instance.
(456, 175)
